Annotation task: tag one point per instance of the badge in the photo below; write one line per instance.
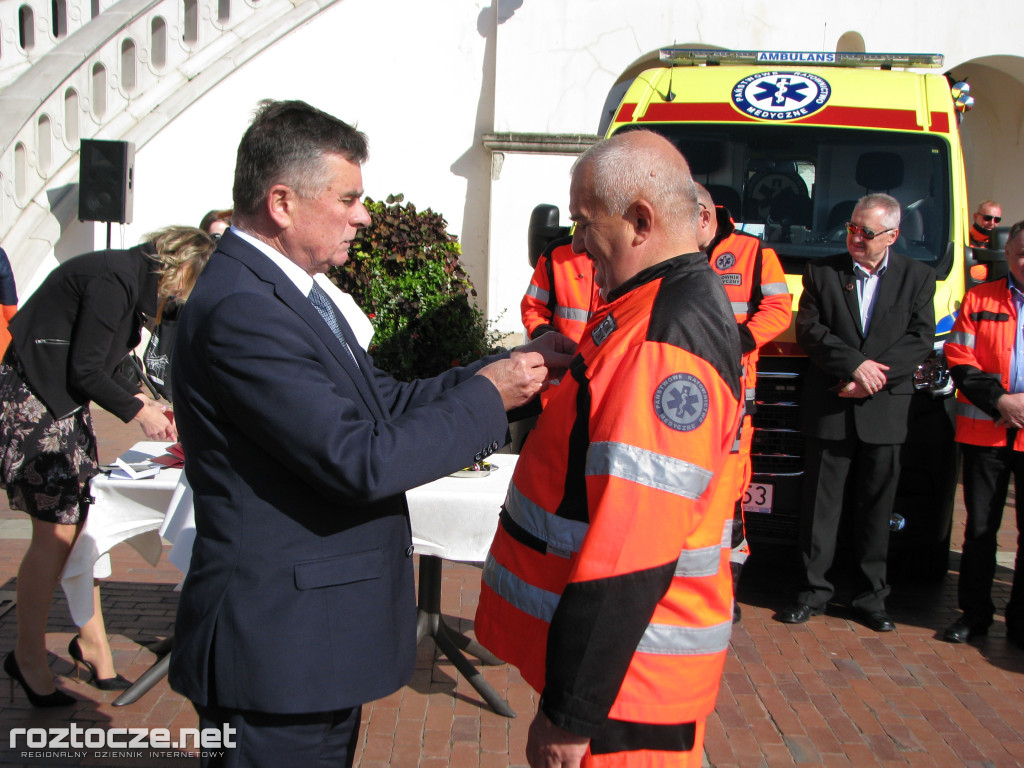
(732, 279)
(681, 402)
(725, 260)
(603, 330)
(780, 95)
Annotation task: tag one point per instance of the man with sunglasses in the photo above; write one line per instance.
(866, 321)
(988, 215)
(986, 358)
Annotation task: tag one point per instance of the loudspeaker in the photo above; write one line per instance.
(106, 181)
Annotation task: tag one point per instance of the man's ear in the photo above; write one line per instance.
(280, 205)
(642, 218)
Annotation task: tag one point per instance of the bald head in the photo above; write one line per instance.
(634, 203)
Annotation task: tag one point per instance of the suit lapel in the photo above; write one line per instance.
(888, 286)
(289, 294)
(849, 288)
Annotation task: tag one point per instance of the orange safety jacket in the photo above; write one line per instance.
(755, 283)
(607, 583)
(562, 294)
(8, 301)
(978, 352)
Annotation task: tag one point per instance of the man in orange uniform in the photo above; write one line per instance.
(986, 358)
(756, 286)
(562, 293)
(607, 583)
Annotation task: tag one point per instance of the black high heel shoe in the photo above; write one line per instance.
(116, 683)
(55, 699)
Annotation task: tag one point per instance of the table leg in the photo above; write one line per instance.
(150, 677)
(429, 622)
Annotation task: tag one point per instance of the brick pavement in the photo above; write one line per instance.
(828, 693)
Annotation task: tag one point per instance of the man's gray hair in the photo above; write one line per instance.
(890, 208)
(624, 172)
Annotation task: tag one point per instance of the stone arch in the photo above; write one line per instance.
(993, 132)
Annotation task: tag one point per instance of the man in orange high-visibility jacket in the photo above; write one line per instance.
(8, 300)
(756, 286)
(607, 583)
(986, 358)
(562, 293)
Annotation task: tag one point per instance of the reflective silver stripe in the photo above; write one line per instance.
(969, 411)
(751, 394)
(571, 313)
(538, 293)
(698, 563)
(740, 307)
(727, 534)
(563, 537)
(673, 640)
(654, 470)
(537, 602)
(961, 337)
(773, 289)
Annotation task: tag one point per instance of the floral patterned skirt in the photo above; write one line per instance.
(45, 463)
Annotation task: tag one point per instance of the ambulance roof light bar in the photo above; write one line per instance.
(695, 56)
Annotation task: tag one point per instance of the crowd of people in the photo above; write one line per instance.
(610, 580)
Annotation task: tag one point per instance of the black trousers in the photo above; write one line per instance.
(987, 473)
(827, 471)
(268, 740)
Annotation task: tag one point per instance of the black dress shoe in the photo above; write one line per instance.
(962, 630)
(877, 620)
(797, 613)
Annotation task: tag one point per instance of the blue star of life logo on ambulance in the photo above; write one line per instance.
(681, 402)
(781, 95)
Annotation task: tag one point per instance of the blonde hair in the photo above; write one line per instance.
(181, 254)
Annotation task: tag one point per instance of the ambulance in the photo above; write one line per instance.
(788, 141)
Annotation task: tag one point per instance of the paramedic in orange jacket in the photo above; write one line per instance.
(607, 584)
(986, 359)
(562, 293)
(8, 300)
(756, 286)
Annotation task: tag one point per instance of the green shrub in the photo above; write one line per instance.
(404, 272)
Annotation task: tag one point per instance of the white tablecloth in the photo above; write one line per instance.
(453, 518)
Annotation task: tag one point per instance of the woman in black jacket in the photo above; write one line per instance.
(67, 341)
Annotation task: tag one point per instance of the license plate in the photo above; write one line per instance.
(758, 498)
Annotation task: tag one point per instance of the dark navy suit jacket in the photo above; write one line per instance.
(300, 593)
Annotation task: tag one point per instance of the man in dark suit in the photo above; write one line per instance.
(866, 321)
(298, 605)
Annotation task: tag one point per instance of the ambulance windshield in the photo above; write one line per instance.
(794, 186)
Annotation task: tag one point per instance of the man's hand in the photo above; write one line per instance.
(1011, 411)
(557, 349)
(518, 378)
(871, 376)
(548, 746)
(853, 389)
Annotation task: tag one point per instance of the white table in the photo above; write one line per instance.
(453, 518)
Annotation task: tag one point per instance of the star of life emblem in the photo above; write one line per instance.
(725, 260)
(681, 402)
(781, 95)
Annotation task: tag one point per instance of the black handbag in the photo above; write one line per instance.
(157, 356)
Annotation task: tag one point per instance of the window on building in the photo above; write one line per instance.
(190, 29)
(59, 18)
(128, 60)
(26, 28)
(99, 91)
(158, 42)
(71, 117)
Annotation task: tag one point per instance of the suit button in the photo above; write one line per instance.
(408, 551)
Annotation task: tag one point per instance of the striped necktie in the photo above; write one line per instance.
(325, 307)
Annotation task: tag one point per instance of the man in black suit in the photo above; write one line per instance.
(866, 321)
(298, 606)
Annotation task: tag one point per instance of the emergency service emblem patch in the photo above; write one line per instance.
(681, 402)
(603, 330)
(781, 95)
(725, 260)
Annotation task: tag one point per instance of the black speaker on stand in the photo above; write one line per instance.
(106, 182)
